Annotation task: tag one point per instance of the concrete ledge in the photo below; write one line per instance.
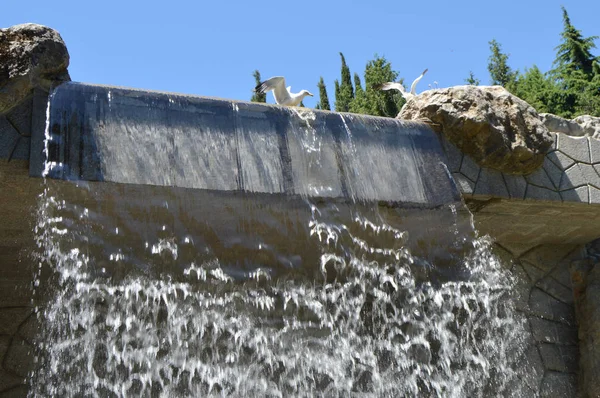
(140, 137)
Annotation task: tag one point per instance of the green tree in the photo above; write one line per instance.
(574, 53)
(258, 97)
(359, 103)
(500, 73)
(381, 103)
(323, 98)
(576, 72)
(345, 95)
(472, 80)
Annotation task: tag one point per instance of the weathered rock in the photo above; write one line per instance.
(492, 126)
(584, 125)
(559, 124)
(585, 275)
(589, 124)
(30, 56)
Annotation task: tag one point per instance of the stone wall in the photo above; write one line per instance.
(541, 224)
(18, 327)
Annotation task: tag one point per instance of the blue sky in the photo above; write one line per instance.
(211, 47)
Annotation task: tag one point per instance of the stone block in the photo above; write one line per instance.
(38, 126)
(20, 391)
(554, 172)
(516, 186)
(521, 289)
(533, 367)
(470, 169)
(580, 195)
(594, 195)
(464, 184)
(30, 329)
(562, 275)
(11, 318)
(535, 274)
(20, 357)
(556, 290)
(561, 160)
(8, 381)
(578, 175)
(454, 155)
(594, 149)
(536, 193)
(9, 138)
(575, 147)
(545, 257)
(540, 304)
(491, 182)
(20, 116)
(556, 384)
(552, 358)
(546, 331)
(540, 178)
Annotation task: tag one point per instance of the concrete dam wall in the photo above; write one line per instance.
(121, 135)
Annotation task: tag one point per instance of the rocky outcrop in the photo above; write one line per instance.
(585, 275)
(31, 56)
(495, 128)
(584, 125)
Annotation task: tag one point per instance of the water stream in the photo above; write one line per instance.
(176, 292)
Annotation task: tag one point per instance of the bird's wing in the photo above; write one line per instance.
(391, 86)
(413, 86)
(277, 84)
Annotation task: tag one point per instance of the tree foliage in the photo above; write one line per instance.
(500, 73)
(472, 80)
(323, 98)
(345, 94)
(258, 97)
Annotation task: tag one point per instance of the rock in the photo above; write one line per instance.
(30, 56)
(585, 275)
(589, 124)
(584, 125)
(559, 124)
(492, 126)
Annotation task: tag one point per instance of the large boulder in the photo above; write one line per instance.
(30, 56)
(492, 126)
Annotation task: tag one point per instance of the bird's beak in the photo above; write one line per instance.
(310, 94)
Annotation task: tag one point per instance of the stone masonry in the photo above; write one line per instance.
(541, 223)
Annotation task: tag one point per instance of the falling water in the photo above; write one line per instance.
(164, 291)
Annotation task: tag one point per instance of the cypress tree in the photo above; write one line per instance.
(258, 97)
(500, 73)
(323, 98)
(359, 103)
(346, 92)
(336, 83)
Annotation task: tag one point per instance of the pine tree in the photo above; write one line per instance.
(258, 97)
(323, 98)
(381, 103)
(576, 72)
(346, 92)
(574, 53)
(500, 73)
(472, 80)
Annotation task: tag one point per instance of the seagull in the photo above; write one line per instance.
(282, 94)
(400, 87)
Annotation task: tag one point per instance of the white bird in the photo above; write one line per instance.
(400, 87)
(282, 94)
